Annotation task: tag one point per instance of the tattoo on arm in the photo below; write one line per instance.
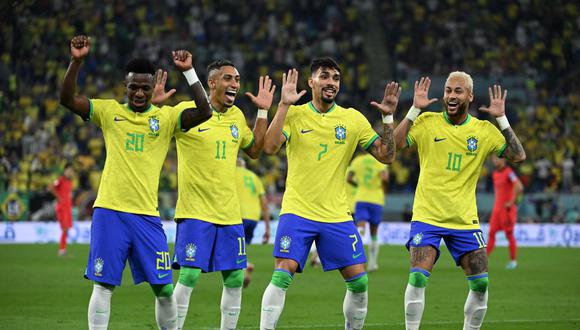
(514, 150)
(388, 140)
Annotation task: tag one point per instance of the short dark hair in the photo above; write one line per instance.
(216, 65)
(323, 62)
(140, 65)
(67, 165)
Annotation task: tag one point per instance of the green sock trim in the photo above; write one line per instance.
(233, 278)
(479, 284)
(418, 279)
(281, 279)
(358, 285)
(374, 237)
(162, 290)
(188, 276)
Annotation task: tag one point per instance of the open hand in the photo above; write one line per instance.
(421, 97)
(159, 93)
(265, 93)
(496, 102)
(390, 99)
(289, 93)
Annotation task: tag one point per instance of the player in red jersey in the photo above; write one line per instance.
(507, 189)
(62, 190)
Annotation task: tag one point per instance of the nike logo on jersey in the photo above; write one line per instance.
(354, 256)
(239, 261)
(304, 131)
(437, 140)
(199, 129)
(160, 276)
(120, 119)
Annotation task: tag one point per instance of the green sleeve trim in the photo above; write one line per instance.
(501, 150)
(249, 144)
(286, 135)
(370, 142)
(90, 111)
(409, 141)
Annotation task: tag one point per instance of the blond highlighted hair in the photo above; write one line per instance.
(464, 76)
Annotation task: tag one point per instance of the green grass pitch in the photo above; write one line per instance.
(41, 291)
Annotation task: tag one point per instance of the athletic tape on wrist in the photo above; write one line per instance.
(413, 113)
(503, 122)
(262, 113)
(388, 119)
(191, 76)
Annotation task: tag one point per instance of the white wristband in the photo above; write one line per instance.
(388, 119)
(263, 113)
(191, 76)
(413, 113)
(502, 122)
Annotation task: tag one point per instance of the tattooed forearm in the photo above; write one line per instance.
(514, 151)
(388, 141)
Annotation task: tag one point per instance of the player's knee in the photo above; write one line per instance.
(358, 284)
(162, 290)
(419, 277)
(478, 284)
(233, 278)
(282, 279)
(188, 276)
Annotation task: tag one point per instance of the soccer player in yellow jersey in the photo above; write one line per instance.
(371, 178)
(254, 207)
(210, 235)
(452, 148)
(321, 138)
(126, 222)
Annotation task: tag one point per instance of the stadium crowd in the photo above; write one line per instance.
(531, 46)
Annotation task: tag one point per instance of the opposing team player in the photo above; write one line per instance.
(452, 148)
(126, 223)
(62, 191)
(507, 189)
(321, 138)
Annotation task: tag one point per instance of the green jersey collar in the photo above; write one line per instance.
(130, 109)
(450, 122)
(313, 108)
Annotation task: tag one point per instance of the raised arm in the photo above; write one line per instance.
(274, 137)
(263, 102)
(514, 151)
(79, 48)
(420, 102)
(384, 149)
(192, 117)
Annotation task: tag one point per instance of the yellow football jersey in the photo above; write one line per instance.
(367, 172)
(350, 192)
(319, 147)
(136, 145)
(206, 172)
(250, 189)
(451, 158)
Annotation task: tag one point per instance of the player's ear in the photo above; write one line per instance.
(310, 82)
(470, 96)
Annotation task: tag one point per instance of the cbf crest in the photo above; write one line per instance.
(418, 238)
(285, 242)
(235, 132)
(472, 143)
(340, 133)
(153, 126)
(190, 251)
(98, 267)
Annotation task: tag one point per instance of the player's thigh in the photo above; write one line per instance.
(229, 248)
(474, 262)
(351, 271)
(339, 245)
(463, 243)
(194, 242)
(294, 237)
(109, 248)
(149, 257)
(423, 244)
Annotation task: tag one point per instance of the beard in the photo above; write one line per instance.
(461, 109)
